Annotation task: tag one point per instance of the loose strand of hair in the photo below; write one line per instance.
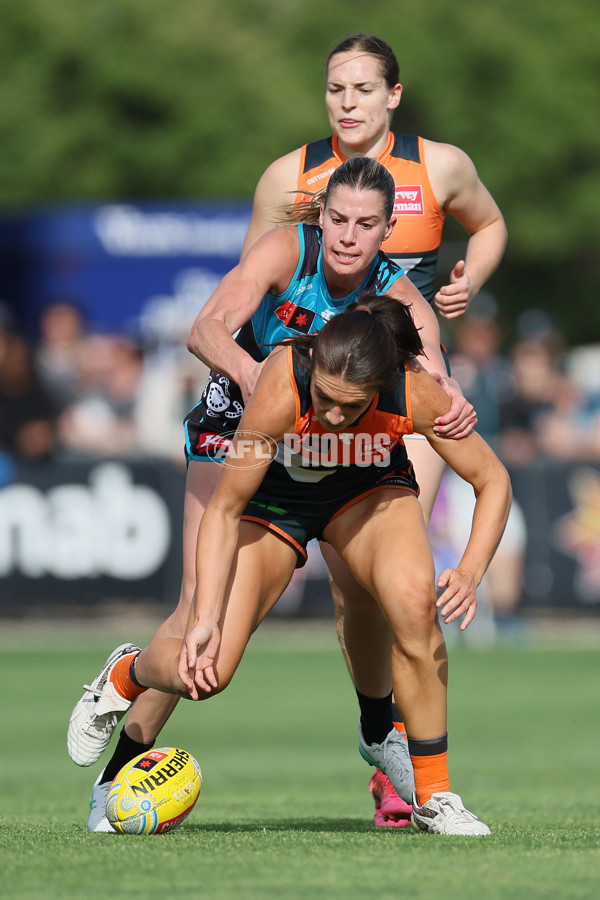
(300, 212)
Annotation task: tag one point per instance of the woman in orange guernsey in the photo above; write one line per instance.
(320, 454)
(433, 180)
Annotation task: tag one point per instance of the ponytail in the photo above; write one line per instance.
(368, 343)
(303, 212)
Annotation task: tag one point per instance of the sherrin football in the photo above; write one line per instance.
(154, 792)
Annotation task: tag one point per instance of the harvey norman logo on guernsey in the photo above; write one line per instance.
(409, 200)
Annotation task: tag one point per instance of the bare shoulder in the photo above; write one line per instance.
(458, 188)
(276, 188)
(448, 167)
(276, 366)
(272, 402)
(446, 156)
(279, 181)
(278, 249)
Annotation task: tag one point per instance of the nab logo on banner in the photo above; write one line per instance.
(409, 200)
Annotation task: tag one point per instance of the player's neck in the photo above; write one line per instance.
(340, 286)
(372, 148)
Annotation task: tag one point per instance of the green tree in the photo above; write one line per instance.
(122, 99)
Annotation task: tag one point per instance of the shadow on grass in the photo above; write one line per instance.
(332, 826)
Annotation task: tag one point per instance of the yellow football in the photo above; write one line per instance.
(154, 792)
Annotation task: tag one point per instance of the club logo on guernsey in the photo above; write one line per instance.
(409, 200)
(295, 317)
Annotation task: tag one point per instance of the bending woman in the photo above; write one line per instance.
(291, 282)
(327, 417)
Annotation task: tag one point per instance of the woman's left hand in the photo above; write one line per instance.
(459, 598)
(452, 299)
(461, 418)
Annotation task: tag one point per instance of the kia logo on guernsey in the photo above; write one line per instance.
(251, 449)
(409, 200)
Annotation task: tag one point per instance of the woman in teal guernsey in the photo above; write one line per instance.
(302, 307)
(318, 271)
(319, 453)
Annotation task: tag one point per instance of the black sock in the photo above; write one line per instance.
(375, 717)
(126, 750)
(396, 714)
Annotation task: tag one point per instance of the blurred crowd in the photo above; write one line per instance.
(537, 401)
(74, 393)
(77, 394)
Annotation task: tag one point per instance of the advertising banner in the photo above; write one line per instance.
(81, 533)
(142, 269)
(85, 532)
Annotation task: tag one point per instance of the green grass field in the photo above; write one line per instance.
(284, 810)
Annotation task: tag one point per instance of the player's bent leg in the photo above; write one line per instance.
(366, 634)
(368, 642)
(263, 567)
(394, 533)
(429, 469)
(379, 537)
(148, 716)
(152, 709)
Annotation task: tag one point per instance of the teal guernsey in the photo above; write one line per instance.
(302, 308)
(306, 304)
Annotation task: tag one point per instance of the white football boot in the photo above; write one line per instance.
(96, 715)
(444, 813)
(97, 820)
(393, 758)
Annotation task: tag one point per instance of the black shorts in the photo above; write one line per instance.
(211, 424)
(300, 511)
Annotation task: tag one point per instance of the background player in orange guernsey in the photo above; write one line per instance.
(432, 180)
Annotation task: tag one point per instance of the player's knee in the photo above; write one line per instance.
(414, 610)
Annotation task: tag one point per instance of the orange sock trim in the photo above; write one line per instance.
(431, 775)
(121, 679)
(401, 727)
